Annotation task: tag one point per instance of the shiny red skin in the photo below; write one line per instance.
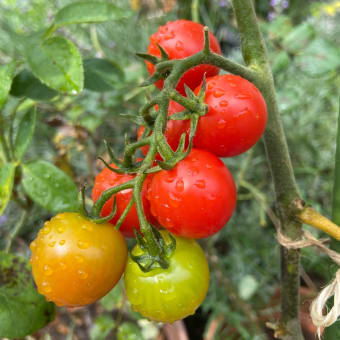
(181, 39)
(107, 179)
(174, 129)
(236, 118)
(196, 198)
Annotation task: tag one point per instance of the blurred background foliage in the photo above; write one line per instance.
(303, 45)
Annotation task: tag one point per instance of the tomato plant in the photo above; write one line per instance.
(174, 128)
(181, 39)
(75, 261)
(107, 179)
(196, 198)
(167, 295)
(236, 118)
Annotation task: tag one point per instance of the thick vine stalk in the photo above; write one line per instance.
(255, 56)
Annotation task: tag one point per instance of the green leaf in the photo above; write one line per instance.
(25, 132)
(101, 75)
(299, 36)
(129, 331)
(25, 84)
(6, 75)
(87, 12)
(50, 187)
(23, 310)
(57, 63)
(319, 58)
(7, 172)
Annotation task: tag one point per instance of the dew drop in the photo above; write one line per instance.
(169, 222)
(31, 260)
(46, 229)
(200, 183)
(83, 275)
(179, 45)
(62, 242)
(208, 166)
(79, 258)
(83, 245)
(51, 244)
(193, 171)
(46, 287)
(232, 84)
(174, 200)
(153, 211)
(180, 185)
(87, 227)
(218, 93)
(224, 103)
(47, 270)
(170, 178)
(33, 245)
(243, 96)
(166, 206)
(61, 229)
(221, 124)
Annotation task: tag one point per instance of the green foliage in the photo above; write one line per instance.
(22, 309)
(6, 184)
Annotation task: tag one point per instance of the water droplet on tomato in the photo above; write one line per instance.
(232, 84)
(208, 166)
(83, 245)
(62, 265)
(170, 178)
(166, 206)
(179, 185)
(221, 124)
(33, 245)
(62, 242)
(218, 93)
(243, 96)
(179, 45)
(83, 275)
(200, 183)
(47, 270)
(174, 200)
(169, 222)
(193, 171)
(46, 229)
(51, 244)
(61, 229)
(87, 227)
(224, 103)
(46, 287)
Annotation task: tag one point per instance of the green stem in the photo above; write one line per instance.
(255, 55)
(107, 194)
(194, 10)
(5, 148)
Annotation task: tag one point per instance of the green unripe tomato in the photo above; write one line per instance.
(167, 295)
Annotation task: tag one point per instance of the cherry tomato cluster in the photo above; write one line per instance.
(75, 261)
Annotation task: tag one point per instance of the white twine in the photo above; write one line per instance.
(320, 320)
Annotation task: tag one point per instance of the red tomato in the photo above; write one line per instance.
(181, 39)
(174, 128)
(236, 118)
(107, 179)
(196, 198)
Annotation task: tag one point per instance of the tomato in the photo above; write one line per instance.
(181, 39)
(196, 198)
(75, 261)
(167, 295)
(174, 128)
(236, 118)
(107, 179)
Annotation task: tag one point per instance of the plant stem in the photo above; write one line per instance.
(255, 55)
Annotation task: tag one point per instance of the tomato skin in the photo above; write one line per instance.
(174, 129)
(181, 39)
(107, 179)
(196, 198)
(236, 118)
(75, 261)
(167, 295)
